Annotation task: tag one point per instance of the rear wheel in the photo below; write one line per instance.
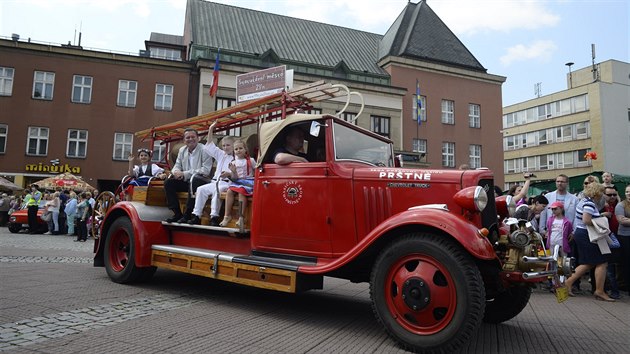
(507, 304)
(120, 254)
(427, 292)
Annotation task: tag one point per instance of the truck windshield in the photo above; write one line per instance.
(355, 146)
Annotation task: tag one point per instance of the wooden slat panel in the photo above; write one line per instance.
(256, 276)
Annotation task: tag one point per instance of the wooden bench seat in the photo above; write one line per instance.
(154, 195)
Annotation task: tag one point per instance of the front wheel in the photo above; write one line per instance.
(14, 228)
(120, 254)
(507, 304)
(427, 292)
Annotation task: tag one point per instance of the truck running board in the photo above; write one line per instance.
(229, 267)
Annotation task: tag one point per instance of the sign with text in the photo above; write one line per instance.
(260, 83)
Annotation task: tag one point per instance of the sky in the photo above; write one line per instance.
(527, 41)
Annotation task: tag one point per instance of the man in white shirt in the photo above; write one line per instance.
(561, 194)
(191, 160)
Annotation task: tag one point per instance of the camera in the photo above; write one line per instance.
(529, 175)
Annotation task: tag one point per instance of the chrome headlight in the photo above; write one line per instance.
(472, 198)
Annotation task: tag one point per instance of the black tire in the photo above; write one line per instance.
(14, 228)
(507, 304)
(120, 254)
(437, 275)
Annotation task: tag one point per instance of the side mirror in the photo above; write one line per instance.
(315, 127)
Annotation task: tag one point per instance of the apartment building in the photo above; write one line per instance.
(552, 134)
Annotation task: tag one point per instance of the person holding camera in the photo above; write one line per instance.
(518, 192)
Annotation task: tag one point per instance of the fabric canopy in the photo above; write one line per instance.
(65, 181)
(6, 185)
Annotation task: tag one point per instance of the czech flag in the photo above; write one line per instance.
(215, 76)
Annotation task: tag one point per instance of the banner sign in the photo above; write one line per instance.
(260, 83)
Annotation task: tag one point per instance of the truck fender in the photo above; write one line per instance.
(456, 226)
(147, 229)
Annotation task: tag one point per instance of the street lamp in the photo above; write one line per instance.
(570, 64)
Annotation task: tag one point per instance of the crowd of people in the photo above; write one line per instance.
(593, 226)
(66, 212)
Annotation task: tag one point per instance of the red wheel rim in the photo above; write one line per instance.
(119, 250)
(420, 280)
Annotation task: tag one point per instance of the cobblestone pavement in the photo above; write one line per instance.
(52, 300)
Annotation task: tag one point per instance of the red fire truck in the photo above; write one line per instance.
(432, 244)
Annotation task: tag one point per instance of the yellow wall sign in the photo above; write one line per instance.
(40, 167)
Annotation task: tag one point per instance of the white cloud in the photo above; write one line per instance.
(470, 17)
(539, 50)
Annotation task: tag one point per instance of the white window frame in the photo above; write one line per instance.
(4, 136)
(6, 81)
(129, 93)
(419, 145)
(45, 83)
(165, 53)
(80, 139)
(380, 125)
(123, 142)
(159, 151)
(448, 154)
(164, 98)
(222, 103)
(448, 112)
(314, 111)
(474, 156)
(38, 136)
(585, 126)
(83, 87)
(423, 108)
(349, 117)
(474, 115)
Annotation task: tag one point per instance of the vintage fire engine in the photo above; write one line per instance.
(431, 243)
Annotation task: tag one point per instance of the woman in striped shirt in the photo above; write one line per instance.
(589, 253)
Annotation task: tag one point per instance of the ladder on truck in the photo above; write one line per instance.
(257, 111)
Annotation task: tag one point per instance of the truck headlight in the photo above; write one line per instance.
(472, 198)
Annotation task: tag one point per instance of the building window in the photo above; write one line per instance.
(474, 115)
(475, 156)
(349, 117)
(564, 133)
(423, 108)
(314, 111)
(419, 145)
(82, 89)
(37, 141)
(4, 131)
(544, 137)
(77, 143)
(163, 97)
(127, 91)
(159, 151)
(223, 103)
(448, 154)
(166, 53)
(43, 85)
(448, 112)
(380, 125)
(123, 144)
(582, 130)
(6, 81)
